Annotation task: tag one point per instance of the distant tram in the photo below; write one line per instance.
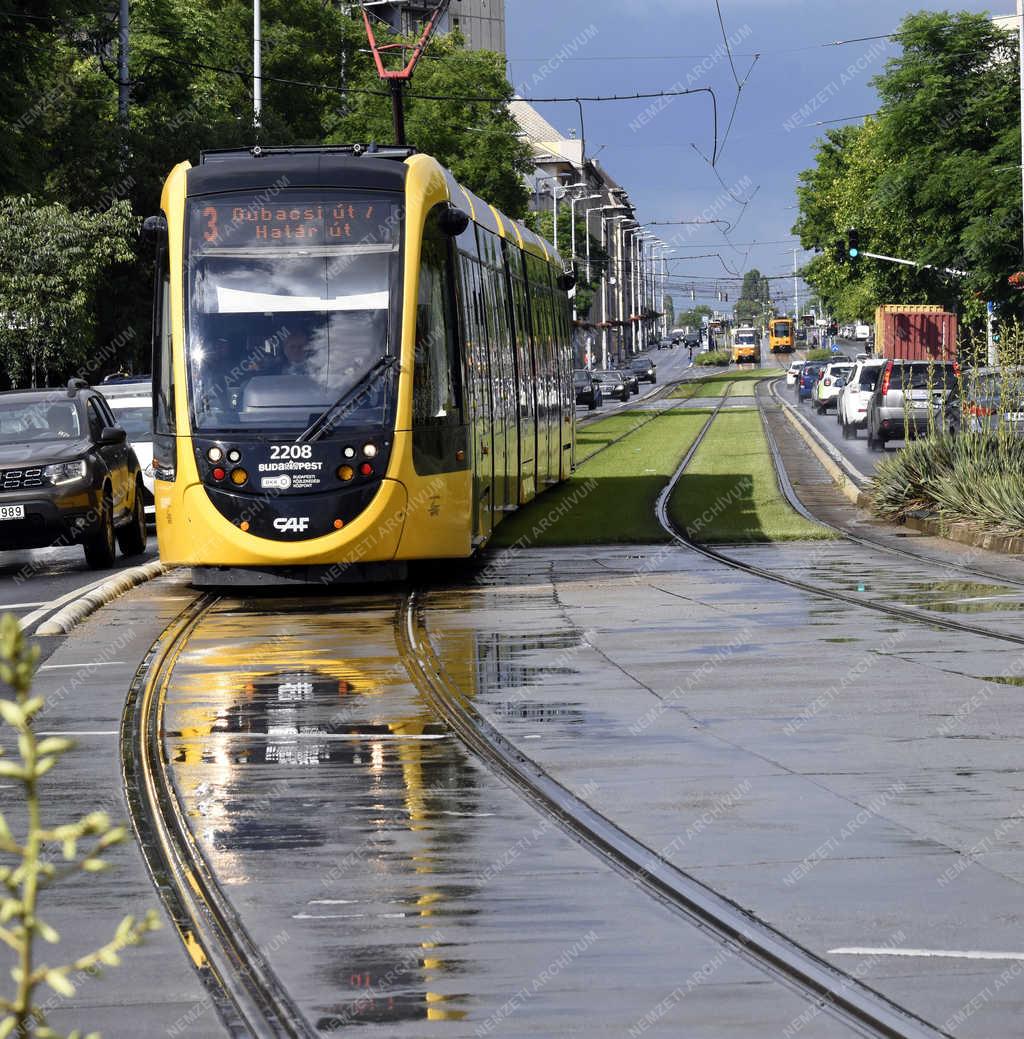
(780, 335)
(356, 361)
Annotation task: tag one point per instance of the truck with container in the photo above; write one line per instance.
(915, 333)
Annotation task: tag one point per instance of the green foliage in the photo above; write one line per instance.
(819, 355)
(932, 177)
(669, 308)
(713, 358)
(191, 90)
(51, 262)
(693, 318)
(31, 866)
(750, 307)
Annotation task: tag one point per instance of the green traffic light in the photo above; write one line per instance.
(854, 253)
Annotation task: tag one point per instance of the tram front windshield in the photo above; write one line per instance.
(292, 304)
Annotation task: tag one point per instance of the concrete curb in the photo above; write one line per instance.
(965, 534)
(76, 611)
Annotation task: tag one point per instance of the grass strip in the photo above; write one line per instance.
(609, 499)
(719, 385)
(729, 493)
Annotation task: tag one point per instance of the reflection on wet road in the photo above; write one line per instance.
(390, 881)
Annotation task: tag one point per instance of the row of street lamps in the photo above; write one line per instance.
(647, 272)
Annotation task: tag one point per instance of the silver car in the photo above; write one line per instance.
(989, 401)
(131, 401)
(910, 398)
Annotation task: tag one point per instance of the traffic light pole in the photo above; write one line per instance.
(912, 263)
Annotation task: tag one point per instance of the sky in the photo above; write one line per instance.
(601, 47)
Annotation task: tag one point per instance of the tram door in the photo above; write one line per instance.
(525, 382)
(478, 391)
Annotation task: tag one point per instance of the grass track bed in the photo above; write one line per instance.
(610, 498)
(729, 493)
(734, 384)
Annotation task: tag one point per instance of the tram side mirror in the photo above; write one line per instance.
(453, 221)
(567, 279)
(154, 230)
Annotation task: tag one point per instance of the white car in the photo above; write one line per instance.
(794, 373)
(827, 388)
(132, 405)
(852, 406)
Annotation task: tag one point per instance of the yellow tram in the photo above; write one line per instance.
(356, 361)
(780, 335)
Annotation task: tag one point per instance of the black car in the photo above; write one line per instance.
(644, 368)
(631, 379)
(588, 389)
(68, 475)
(613, 384)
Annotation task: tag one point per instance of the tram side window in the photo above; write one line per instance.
(437, 397)
(163, 355)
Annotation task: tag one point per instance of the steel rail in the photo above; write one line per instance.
(247, 995)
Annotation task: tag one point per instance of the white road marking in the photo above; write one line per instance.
(951, 954)
(84, 664)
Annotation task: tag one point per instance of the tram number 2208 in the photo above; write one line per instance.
(279, 452)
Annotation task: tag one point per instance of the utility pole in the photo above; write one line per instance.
(123, 87)
(1020, 36)
(257, 66)
(796, 288)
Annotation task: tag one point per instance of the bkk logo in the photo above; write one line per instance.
(292, 524)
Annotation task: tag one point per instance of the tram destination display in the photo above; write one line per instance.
(237, 224)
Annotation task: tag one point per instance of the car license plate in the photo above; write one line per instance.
(10, 512)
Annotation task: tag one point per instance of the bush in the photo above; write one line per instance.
(820, 355)
(977, 477)
(715, 358)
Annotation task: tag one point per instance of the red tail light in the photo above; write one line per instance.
(828, 382)
(886, 378)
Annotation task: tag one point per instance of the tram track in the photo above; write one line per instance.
(247, 995)
(243, 988)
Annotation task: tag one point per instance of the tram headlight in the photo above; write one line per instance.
(349, 452)
(234, 455)
(215, 454)
(345, 473)
(370, 450)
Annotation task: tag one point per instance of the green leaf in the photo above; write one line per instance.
(47, 933)
(12, 713)
(94, 865)
(109, 957)
(11, 770)
(57, 980)
(54, 745)
(70, 846)
(43, 765)
(7, 1026)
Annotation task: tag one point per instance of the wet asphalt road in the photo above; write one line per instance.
(394, 884)
(31, 579)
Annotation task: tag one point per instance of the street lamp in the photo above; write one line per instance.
(572, 220)
(605, 220)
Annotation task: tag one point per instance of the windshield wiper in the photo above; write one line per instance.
(323, 422)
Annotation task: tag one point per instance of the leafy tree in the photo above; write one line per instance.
(930, 178)
(51, 265)
(669, 307)
(750, 306)
(694, 317)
